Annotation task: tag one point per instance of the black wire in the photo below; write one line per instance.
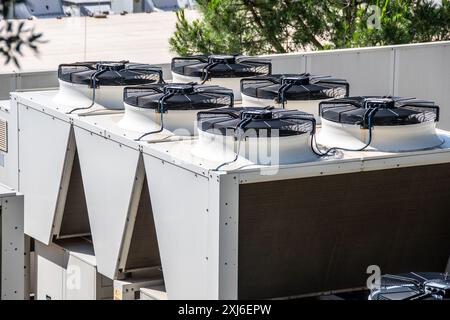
(94, 80)
(206, 71)
(161, 110)
(317, 151)
(240, 127)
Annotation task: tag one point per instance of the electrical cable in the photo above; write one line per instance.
(161, 110)
(369, 114)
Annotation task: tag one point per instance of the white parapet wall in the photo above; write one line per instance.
(417, 70)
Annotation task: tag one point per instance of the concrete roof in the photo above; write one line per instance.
(141, 37)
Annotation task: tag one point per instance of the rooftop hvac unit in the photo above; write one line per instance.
(100, 84)
(413, 286)
(172, 106)
(222, 70)
(246, 231)
(257, 134)
(292, 91)
(379, 123)
(237, 229)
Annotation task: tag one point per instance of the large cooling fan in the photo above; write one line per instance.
(82, 84)
(390, 124)
(223, 70)
(413, 286)
(265, 136)
(292, 91)
(170, 106)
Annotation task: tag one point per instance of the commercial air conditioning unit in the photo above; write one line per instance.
(236, 225)
(221, 70)
(292, 91)
(242, 230)
(81, 196)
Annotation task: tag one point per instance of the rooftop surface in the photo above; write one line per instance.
(140, 37)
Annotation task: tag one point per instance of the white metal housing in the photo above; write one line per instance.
(67, 271)
(15, 247)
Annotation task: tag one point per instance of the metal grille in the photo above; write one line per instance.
(3, 135)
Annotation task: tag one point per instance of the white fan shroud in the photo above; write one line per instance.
(179, 122)
(75, 95)
(384, 138)
(257, 150)
(230, 83)
(309, 106)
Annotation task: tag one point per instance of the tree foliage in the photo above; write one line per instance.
(15, 35)
(279, 26)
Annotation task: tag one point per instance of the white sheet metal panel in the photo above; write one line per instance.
(50, 266)
(180, 209)
(424, 72)
(109, 172)
(42, 152)
(369, 72)
(81, 279)
(15, 255)
(228, 205)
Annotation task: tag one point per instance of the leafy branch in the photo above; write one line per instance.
(15, 36)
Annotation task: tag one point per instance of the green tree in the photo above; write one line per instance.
(15, 35)
(268, 26)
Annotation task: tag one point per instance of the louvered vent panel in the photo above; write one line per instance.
(3, 135)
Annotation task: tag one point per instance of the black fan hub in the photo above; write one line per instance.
(257, 114)
(300, 80)
(111, 66)
(380, 103)
(226, 59)
(179, 88)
